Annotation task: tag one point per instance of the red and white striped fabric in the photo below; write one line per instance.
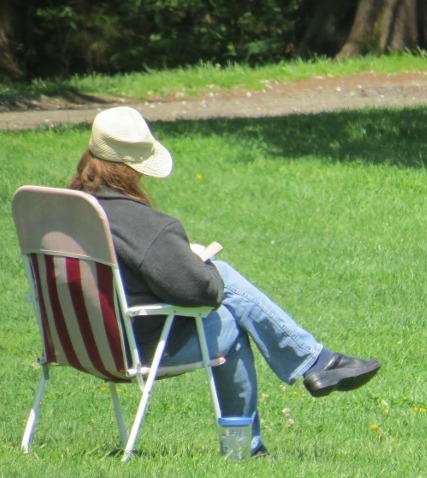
(78, 315)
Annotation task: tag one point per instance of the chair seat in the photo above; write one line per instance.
(174, 370)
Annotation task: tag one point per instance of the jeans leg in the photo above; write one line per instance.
(237, 386)
(288, 348)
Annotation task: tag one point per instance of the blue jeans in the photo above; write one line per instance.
(247, 312)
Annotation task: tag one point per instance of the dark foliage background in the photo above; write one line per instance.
(78, 36)
(42, 38)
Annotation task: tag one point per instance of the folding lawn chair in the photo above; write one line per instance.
(80, 303)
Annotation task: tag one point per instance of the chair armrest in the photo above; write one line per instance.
(167, 309)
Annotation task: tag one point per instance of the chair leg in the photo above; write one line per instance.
(207, 366)
(32, 419)
(118, 412)
(149, 384)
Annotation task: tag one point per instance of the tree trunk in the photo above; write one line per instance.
(363, 34)
(382, 26)
(328, 23)
(8, 65)
(348, 28)
(422, 24)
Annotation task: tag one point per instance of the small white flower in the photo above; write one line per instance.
(290, 423)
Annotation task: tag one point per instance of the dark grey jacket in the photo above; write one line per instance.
(157, 265)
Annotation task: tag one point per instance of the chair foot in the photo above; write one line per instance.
(126, 456)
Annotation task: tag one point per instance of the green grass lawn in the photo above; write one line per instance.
(207, 78)
(327, 214)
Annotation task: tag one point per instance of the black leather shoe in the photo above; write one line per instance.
(342, 373)
(260, 452)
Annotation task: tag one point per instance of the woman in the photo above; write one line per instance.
(157, 264)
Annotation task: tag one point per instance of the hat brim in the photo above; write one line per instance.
(158, 165)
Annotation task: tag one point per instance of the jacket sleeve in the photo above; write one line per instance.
(176, 275)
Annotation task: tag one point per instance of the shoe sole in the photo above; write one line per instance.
(323, 383)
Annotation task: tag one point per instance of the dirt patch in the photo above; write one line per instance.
(315, 95)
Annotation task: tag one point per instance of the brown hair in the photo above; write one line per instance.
(93, 173)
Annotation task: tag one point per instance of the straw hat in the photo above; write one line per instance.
(122, 135)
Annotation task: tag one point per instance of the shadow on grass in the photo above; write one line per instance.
(379, 136)
(21, 97)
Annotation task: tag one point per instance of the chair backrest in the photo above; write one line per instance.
(72, 268)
